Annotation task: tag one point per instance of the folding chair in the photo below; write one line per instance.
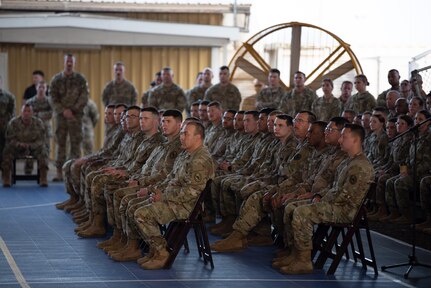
(176, 233)
(25, 177)
(326, 235)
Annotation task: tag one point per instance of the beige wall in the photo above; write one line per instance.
(141, 64)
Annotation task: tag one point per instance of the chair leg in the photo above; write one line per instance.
(342, 250)
(327, 249)
(370, 246)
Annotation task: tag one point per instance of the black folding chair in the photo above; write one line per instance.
(16, 176)
(177, 231)
(326, 235)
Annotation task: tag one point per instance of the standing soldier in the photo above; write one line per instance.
(327, 106)
(224, 92)
(198, 92)
(167, 95)
(119, 90)
(363, 100)
(156, 82)
(299, 98)
(346, 92)
(41, 109)
(25, 136)
(270, 96)
(69, 93)
(89, 121)
(394, 81)
(7, 111)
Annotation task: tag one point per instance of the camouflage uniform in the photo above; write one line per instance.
(7, 112)
(361, 102)
(325, 110)
(158, 166)
(243, 154)
(399, 189)
(399, 154)
(68, 92)
(33, 134)
(230, 186)
(252, 212)
(293, 101)
(72, 171)
(339, 205)
(378, 152)
(142, 153)
(89, 121)
(178, 198)
(164, 97)
(269, 98)
(117, 93)
(123, 159)
(43, 110)
(228, 96)
(195, 94)
(425, 193)
(220, 145)
(212, 134)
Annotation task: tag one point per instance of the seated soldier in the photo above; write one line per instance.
(25, 136)
(340, 204)
(179, 197)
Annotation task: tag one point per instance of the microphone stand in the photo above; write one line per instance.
(413, 261)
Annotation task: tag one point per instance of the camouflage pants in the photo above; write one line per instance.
(11, 152)
(148, 220)
(122, 210)
(212, 201)
(398, 192)
(65, 128)
(250, 214)
(98, 204)
(111, 207)
(301, 216)
(130, 224)
(87, 139)
(425, 190)
(68, 182)
(230, 197)
(381, 188)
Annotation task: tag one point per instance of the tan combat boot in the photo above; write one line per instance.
(301, 265)
(158, 261)
(286, 260)
(43, 180)
(233, 243)
(116, 236)
(147, 257)
(130, 253)
(96, 229)
(225, 226)
(6, 178)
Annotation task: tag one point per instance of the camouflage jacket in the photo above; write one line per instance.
(325, 110)
(119, 93)
(42, 109)
(269, 98)
(69, 92)
(293, 102)
(164, 97)
(361, 102)
(33, 134)
(228, 96)
(7, 107)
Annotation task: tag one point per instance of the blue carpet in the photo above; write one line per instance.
(46, 251)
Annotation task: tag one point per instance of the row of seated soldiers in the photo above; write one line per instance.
(295, 171)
